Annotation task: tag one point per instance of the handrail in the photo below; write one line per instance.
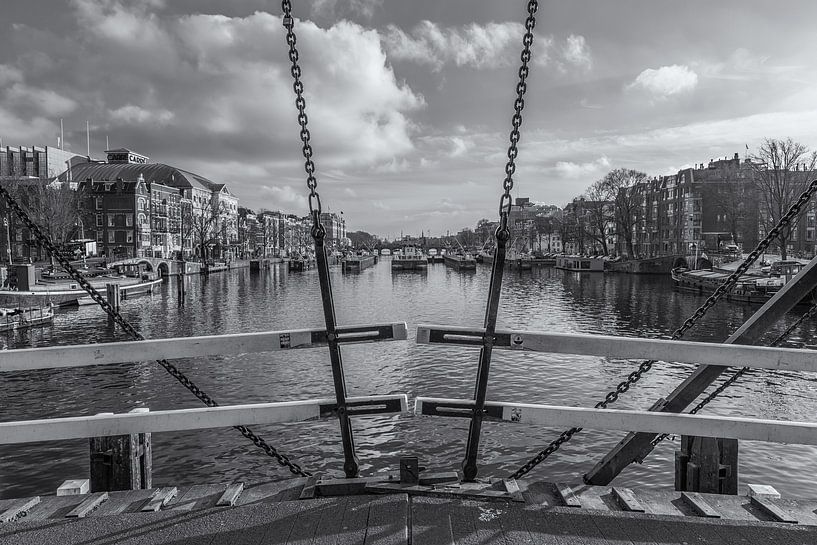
(776, 431)
(185, 347)
(77, 427)
(728, 355)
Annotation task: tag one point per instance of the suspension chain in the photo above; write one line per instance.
(740, 372)
(300, 104)
(45, 242)
(646, 365)
(516, 120)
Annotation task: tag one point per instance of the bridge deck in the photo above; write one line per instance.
(270, 513)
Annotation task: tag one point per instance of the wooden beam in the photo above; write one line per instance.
(77, 427)
(728, 355)
(775, 431)
(636, 446)
(188, 347)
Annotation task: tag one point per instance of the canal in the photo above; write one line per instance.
(241, 301)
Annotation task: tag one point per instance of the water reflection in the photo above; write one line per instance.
(542, 299)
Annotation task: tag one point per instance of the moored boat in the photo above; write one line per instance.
(757, 287)
(409, 258)
(460, 262)
(12, 319)
(580, 264)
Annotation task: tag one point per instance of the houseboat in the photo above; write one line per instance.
(460, 262)
(580, 264)
(409, 258)
(756, 287)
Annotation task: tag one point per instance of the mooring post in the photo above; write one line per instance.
(114, 297)
(707, 464)
(180, 290)
(121, 462)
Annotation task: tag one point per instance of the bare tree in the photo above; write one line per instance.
(203, 225)
(781, 171)
(599, 213)
(54, 207)
(619, 184)
(731, 200)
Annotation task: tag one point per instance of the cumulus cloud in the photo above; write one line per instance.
(333, 8)
(131, 113)
(576, 52)
(666, 81)
(569, 169)
(286, 196)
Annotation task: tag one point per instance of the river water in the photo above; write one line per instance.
(241, 301)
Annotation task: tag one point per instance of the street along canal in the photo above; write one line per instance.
(242, 301)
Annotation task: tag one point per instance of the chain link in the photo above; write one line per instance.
(646, 365)
(516, 120)
(45, 242)
(318, 230)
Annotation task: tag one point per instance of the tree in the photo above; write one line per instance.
(781, 171)
(620, 185)
(599, 213)
(54, 207)
(203, 225)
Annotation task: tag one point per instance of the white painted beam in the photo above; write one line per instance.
(78, 427)
(188, 347)
(729, 355)
(775, 431)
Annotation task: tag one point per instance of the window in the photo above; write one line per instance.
(100, 236)
(99, 203)
(110, 220)
(99, 221)
(111, 236)
(809, 234)
(130, 237)
(129, 220)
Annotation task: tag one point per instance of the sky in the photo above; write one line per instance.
(409, 102)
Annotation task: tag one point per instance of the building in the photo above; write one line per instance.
(172, 212)
(335, 227)
(44, 162)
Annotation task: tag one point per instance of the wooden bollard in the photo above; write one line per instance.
(114, 297)
(707, 464)
(180, 290)
(121, 462)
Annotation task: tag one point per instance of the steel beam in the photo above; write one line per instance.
(637, 445)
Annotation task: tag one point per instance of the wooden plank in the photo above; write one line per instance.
(18, 508)
(567, 496)
(388, 521)
(308, 491)
(768, 506)
(607, 346)
(172, 420)
(88, 504)
(160, 498)
(188, 347)
(431, 521)
(73, 487)
(699, 505)
(230, 495)
(627, 500)
(775, 431)
(636, 446)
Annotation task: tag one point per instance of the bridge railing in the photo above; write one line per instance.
(56, 357)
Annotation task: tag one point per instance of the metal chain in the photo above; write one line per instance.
(516, 120)
(646, 365)
(740, 372)
(300, 102)
(45, 241)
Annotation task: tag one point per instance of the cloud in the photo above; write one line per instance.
(666, 81)
(286, 197)
(568, 169)
(135, 114)
(491, 45)
(576, 52)
(331, 8)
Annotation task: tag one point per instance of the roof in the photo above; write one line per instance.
(152, 172)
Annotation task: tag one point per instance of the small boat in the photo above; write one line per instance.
(518, 260)
(409, 258)
(580, 264)
(757, 287)
(460, 261)
(18, 318)
(300, 263)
